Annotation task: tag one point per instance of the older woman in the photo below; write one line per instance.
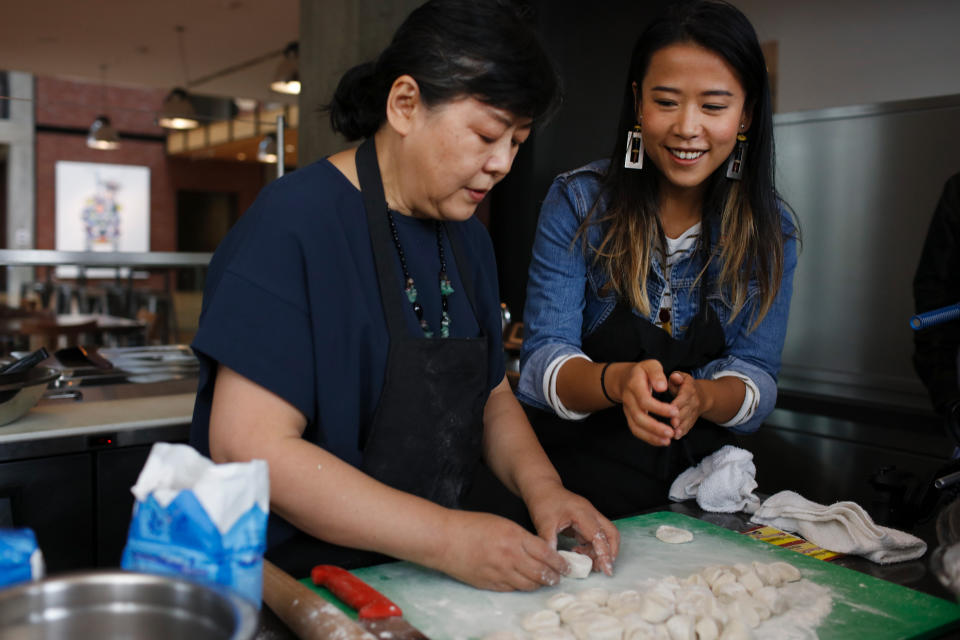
(350, 331)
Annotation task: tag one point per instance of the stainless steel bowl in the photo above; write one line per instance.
(16, 398)
(110, 605)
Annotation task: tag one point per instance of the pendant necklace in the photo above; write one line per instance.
(411, 290)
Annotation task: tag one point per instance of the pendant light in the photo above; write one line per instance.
(287, 78)
(177, 112)
(102, 135)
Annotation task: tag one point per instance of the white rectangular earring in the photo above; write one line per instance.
(634, 156)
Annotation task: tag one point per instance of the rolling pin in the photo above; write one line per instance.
(308, 616)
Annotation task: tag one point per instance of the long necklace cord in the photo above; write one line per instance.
(410, 288)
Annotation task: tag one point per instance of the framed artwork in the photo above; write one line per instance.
(101, 207)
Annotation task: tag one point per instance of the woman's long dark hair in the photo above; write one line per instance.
(751, 236)
(483, 49)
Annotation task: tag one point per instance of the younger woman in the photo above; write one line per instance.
(661, 279)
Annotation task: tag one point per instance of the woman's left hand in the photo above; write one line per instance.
(689, 400)
(554, 510)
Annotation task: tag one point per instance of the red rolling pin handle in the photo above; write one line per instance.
(369, 603)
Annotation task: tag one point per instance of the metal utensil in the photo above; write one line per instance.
(109, 605)
(375, 612)
(19, 397)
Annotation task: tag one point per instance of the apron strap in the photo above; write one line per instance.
(375, 203)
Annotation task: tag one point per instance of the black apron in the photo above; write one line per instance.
(426, 432)
(599, 457)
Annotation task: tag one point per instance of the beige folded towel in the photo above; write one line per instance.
(843, 527)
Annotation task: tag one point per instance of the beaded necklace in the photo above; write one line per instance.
(445, 287)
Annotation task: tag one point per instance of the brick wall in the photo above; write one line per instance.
(66, 104)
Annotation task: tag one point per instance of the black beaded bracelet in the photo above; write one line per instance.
(603, 386)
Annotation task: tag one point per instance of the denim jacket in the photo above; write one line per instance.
(564, 299)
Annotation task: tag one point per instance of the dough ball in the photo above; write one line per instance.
(730, 591)
(580, 565)
(673, 535)
(680, 627)
(651, 632)
(655, 608)
(539, 620)
(694, 600)
(596, 595)
(771, 598)
(559, 600)
(768, 574)
(722, 578)
(620, 604)
(707, 629)
(695, 579)
(711, 573)
(788, 572)
(578, 609)
(736, 630)
(741, 568)
(557, 633)
(598, 627)
(667, 588)
(751, 581)
(743, 610)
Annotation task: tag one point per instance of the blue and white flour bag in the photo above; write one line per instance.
(200, 520)
(20, 557)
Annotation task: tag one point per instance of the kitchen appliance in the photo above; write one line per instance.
(110, 605)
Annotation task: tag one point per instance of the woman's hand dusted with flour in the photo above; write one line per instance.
(517, 459)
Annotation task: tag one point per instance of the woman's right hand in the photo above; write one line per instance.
(490, 552)
(633, 385)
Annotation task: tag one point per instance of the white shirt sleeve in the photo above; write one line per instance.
(550, 387)
(751, 398)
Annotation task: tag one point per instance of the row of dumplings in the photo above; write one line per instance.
(718, 603)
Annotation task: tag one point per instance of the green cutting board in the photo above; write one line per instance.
(863, 606)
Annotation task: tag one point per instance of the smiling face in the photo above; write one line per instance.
(691, 106)
(453, 154)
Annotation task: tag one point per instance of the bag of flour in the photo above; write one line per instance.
(20, 557)
(200, 520)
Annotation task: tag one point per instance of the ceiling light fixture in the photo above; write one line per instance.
(267, 149)
(177, 112)
(102, 135)
(287, 77)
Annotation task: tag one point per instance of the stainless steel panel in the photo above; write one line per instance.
(864, 182)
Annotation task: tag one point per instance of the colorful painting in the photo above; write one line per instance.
(102, 208)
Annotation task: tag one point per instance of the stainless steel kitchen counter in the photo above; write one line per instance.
(126, 415)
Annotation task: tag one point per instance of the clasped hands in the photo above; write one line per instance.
(634, 384)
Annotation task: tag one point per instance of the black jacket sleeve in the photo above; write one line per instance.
(937, 284)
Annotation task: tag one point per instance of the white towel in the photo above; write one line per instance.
(723, 482)
(843, 527)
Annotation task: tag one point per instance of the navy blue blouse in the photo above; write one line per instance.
(292, 303)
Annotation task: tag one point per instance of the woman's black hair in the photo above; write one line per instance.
(483, 49)
(752, 242)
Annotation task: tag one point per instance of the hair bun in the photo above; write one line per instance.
(354, 108)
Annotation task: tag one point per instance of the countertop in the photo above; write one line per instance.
(103, 419)
(69, 418)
